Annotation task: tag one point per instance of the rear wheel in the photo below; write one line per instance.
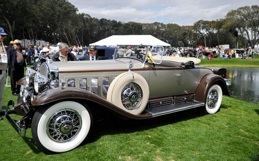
(214, 99)
(61, 127)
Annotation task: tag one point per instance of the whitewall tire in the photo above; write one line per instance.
(213, 99)
(130, 92)
(61, 127)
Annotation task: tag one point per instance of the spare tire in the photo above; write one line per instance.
(130, 92)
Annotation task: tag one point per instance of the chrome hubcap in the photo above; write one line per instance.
(64, 125)
(131, 96)
(212, 99)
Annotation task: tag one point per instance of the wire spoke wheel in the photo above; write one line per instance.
(214, 99)
(61, 127)
(64, 125)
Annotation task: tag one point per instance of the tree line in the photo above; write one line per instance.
(58, 20)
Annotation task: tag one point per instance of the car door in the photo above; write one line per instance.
(166, 82)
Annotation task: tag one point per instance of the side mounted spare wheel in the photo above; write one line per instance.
(61, 127)
(214, 99)
(130, 92)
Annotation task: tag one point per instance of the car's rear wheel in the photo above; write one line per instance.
(61, 127)
(214, 99)
(130, 92)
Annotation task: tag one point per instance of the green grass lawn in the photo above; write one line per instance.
(231, 134)
(234, 62)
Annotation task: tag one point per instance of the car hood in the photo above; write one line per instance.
(97, 65)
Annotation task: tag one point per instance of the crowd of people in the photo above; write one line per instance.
(210, 53)
(14, 58)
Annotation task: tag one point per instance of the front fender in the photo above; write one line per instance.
(58, 94)
(71, 93)
(208, 81)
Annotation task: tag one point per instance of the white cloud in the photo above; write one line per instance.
(181, 12)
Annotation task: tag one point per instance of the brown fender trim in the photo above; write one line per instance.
(71, 93)
(206, 82)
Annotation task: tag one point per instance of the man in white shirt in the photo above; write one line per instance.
(3, 66)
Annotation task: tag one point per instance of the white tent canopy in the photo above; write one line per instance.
(117, 40)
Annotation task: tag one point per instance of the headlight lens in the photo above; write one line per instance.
(29, 75)
(25, 95)
(39, 81)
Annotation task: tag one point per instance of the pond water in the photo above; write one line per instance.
(244, 83)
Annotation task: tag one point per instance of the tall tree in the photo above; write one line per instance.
(244, 21)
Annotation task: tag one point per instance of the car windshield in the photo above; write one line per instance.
(142, 53)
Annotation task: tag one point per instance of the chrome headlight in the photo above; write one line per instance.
(29, 75)
(39, 82)
(25, 96)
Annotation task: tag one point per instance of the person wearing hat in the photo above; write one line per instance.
(17, 64)
(45, 52)
(3, 66)
(92, 56)
(10, 45)
(63, 54)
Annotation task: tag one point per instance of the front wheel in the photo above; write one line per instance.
(214, 99)
(61, 127)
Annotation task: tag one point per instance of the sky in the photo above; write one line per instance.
(181, 12)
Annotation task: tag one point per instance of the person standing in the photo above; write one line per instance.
(3, 65)
(17, 65)
(9, 46)
(29, 54)
(63, 54)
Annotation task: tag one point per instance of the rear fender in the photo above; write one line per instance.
(208, 81)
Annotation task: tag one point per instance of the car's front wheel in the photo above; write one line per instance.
(214, 99)
(61, 127)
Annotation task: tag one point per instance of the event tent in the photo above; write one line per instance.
(117, 40)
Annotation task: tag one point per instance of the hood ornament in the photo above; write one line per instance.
(130, 65)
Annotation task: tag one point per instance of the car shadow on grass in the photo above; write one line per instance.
(30, 142)
(114, 125)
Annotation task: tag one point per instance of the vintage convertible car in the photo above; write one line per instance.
(60, 101)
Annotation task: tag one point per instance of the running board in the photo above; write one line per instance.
(173, 108)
